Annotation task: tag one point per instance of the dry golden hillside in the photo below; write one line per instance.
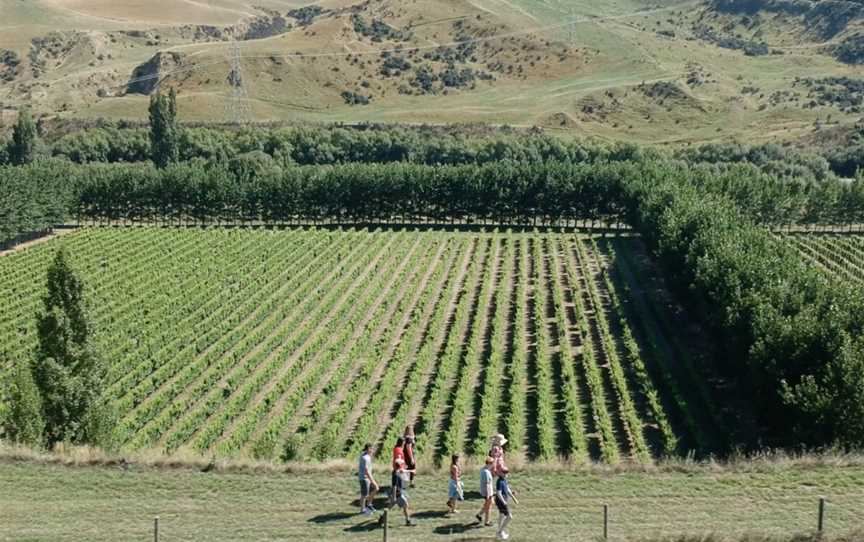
(659, 72)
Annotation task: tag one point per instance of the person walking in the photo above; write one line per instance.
(487, 492)
(368, 486)
(398, 455)
(408, 452)
(455, 490)
(496, 452)
(503, 494)
(403, 478)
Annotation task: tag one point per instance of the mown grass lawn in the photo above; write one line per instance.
(53, 502)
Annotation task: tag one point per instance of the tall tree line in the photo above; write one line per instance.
(255, 189)
(793, 339)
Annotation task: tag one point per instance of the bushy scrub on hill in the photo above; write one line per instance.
(851, 50)
(306, 15)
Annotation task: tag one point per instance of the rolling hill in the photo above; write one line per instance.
(666, 72)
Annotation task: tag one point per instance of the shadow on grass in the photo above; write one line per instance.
(364, 527)
(430, 514)
(334, 516)
(378, 502)
(457, 528)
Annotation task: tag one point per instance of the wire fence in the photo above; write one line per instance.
(790, 517)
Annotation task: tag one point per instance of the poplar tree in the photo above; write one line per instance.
(164, 133)
(67, 371)
(22, 149)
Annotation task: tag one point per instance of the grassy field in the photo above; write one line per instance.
(303, 344)
(59, 503)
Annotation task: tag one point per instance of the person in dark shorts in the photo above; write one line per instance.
(503, 494)
(403, 479)
(398, 455)
(400, 492)
(368, 485)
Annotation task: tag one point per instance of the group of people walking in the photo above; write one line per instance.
(494, 484)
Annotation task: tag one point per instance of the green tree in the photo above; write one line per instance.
(67, 371)
(164, 133)
(22, 149)
(25, 423)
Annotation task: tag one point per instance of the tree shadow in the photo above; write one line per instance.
(333, 516)
(473, 495)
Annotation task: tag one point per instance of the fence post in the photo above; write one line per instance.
(821, 524)
(386, 524)
(605, 522)
(156, 529)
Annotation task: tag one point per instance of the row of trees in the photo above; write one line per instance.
(245, 191)
(794, 339)
(252, 189)
(33, 199)
(309, 145)
(777, 201)
(167, 142)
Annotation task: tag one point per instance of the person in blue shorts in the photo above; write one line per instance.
(455, 492)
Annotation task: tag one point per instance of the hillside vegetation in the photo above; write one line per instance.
(668, 72)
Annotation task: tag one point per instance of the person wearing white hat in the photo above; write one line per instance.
(497, 454)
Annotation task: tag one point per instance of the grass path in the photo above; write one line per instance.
(58, 503)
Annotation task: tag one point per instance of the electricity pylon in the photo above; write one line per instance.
(237, 107)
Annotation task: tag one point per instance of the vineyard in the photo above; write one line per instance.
(304, 344)
(840, 257)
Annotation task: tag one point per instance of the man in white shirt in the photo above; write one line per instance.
(368, 485)
(487, 492)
